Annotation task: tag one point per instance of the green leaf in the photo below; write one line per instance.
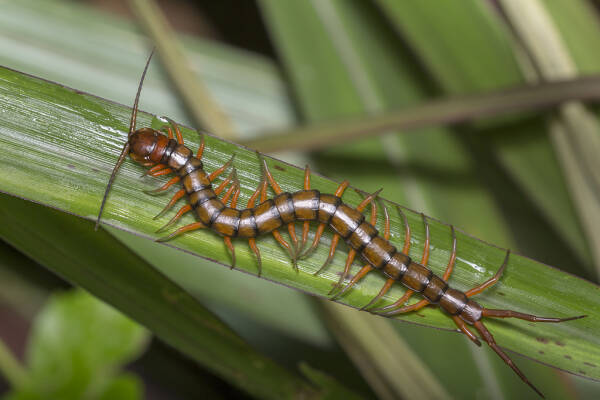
(124, 387)
(55, 139)
(71, 248)
(344, 60)
(77, 344)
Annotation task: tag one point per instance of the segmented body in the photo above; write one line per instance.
(166, 155)
(304, 205)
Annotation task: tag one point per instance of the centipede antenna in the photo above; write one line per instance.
(137, 96)
(126, 146)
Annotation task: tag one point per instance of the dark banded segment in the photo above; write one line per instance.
(179, 157)
(195, 182)
(362, 236)
(417, 277)
(171, 145)
(199, 197)
(328, 204)
(345, 220)
(190, 167)
(267, 217)
(397, 266)
(208, 211)
(378, 252)
(435, 289)
(453, 301)
(227, 222)
(285, 207)
(247, 227)
(306, 204)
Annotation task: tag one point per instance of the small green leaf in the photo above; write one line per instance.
(124, 387)
(77, 344)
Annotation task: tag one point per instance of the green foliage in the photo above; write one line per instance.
(500, 180)
(76, 349)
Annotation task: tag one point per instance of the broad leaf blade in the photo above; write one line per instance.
(75, 130)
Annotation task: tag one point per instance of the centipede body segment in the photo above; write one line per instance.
(165, 153)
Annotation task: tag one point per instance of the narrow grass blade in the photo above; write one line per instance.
(519, 152)
(449, 111)
(575, 130)
(195, 94)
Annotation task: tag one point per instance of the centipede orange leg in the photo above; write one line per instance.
(408, 294)
(223, 184)
(252, 241)
(182, 230)
(176, 129)
(367, 268)
(291, 227)
(306, 224)
(491, 281)
(220, 170)
(201, 147)
(234, 199)
(161, 172)
(178, 195)
(164, 187)
(176, 217)
(422, 303)
(268, 178)
(155, 168)
(390, 282)
(334, 240)
(492, 313)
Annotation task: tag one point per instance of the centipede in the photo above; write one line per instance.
(215, 208)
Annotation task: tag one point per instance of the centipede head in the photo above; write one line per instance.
(136, 140)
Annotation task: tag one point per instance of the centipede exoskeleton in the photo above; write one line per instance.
(216, 208)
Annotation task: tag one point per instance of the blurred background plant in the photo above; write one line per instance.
(243, 70)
